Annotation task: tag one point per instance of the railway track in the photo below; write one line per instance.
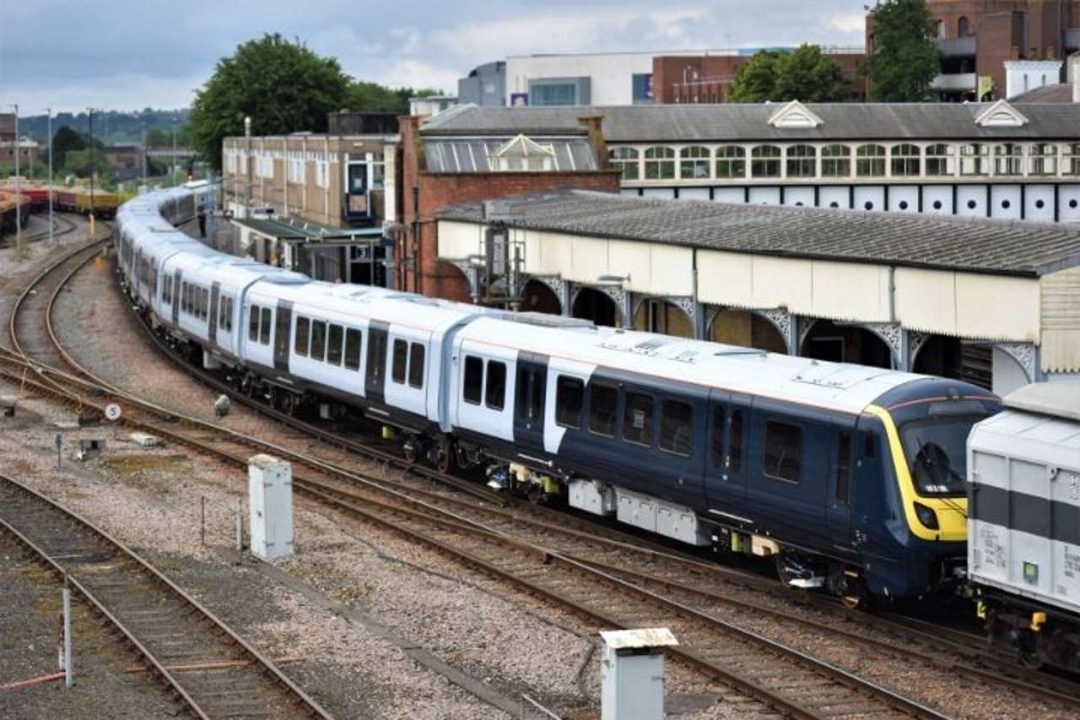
(210, 669)
(63, 227)
(547, 554)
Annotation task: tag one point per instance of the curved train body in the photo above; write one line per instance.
(851, 476)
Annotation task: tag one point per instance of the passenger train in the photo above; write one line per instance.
(850, 477)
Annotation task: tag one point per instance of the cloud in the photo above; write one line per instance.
(851, 23)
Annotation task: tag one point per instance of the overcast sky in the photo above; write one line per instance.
(131, 54)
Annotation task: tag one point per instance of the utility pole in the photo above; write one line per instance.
(18, 186)
(52, 238)
(145, 149)
(174, 156)
(91, 113)
(247, 164)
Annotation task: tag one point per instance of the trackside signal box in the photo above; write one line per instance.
(632, 673)
(270, 500)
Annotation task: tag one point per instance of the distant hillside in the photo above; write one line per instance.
(111, 127)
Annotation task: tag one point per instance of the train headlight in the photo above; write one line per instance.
(926, 516)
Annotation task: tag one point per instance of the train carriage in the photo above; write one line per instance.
(1024, 497)
(846, 475)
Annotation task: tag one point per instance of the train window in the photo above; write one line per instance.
(603, 404)
(303, 332)
(716, 439)
(352, 349)
(676, 421)
(783, 451)
(843, 466)
(869, 445)
(264, 326)
(228, 314)
(401, 357)
(183, 297)
(474, 379)
(318, 340)
(205, 304)
(376, 359)
(733, 462)
(253, 324)
(333, 349)
(569, 395)
(416, 365)
(530, 384)
(638, 419)
(495, 395)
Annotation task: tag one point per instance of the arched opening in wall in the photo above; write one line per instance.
(538, 297)
(661, 316)
(447, 282)
(740, 327)
(940, 355)
(591, 304)
(830, 341)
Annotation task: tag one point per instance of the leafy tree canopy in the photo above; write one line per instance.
(283, 86)
(807, 75)
(904, 58)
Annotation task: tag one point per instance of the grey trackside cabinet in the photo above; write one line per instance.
(270, 500)
(632, 673)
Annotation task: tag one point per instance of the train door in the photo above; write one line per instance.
(375, 370)
(282, 335)
(176, 295)
(530, 393)
(725, 481)
(841, 474)
(215, 298)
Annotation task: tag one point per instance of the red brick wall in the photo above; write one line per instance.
(423, 194)
(674, 76)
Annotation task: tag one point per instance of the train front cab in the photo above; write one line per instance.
(912, 528)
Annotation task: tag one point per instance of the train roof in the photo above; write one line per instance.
(842, 387)
(1054, 399)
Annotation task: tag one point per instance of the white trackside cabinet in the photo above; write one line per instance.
(270, 499)
(632, 674)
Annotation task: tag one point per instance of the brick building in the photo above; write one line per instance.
(977, 37)
(440, 169)
(708, 78)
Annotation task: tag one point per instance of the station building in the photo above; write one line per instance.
(989, 160)
(993, 302)
(318, 203)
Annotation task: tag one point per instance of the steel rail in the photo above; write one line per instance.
(303, 702)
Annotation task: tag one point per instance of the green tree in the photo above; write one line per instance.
(281, 85)
(81, 162)
(904, 59)
(755, 81)
(65, 140)
(157, 137)
(806, 74)
(363, 96)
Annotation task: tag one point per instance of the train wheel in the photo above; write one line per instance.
(445, 455)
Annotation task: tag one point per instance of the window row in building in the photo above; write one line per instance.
(837, 160)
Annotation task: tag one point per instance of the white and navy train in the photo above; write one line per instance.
(851, 477)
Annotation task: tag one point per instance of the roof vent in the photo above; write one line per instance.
(1001, 114)
(794, 115)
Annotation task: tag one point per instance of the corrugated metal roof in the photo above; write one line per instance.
(290, 228)
(747, 123)
(976, 245)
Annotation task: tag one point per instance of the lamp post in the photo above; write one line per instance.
(18, 186)
(49, 132)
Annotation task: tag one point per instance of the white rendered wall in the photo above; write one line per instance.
(612, 74)
(1024, 75)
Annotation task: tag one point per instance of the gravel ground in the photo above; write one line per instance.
(509, 640)
(29, 607)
